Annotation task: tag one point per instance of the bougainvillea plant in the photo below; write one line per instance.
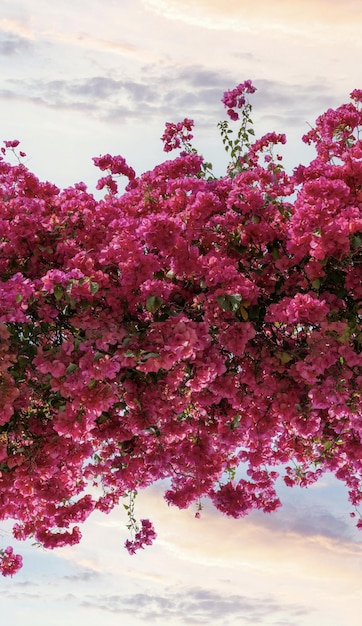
(181, 329)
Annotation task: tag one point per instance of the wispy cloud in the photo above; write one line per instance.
(112, 99)
(82, 575)
(313, 523)
(75, 27)
(167, 93)
(239, 16)
(195, 606)
(11, 44)
(17, 28)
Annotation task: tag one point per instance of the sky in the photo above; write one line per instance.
(80, 78)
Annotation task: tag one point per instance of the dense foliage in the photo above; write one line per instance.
(185, 327)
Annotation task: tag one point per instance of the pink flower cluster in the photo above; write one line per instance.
(235, 98)
(144, 537)
(10, 563)
(180, 329)
(116, 165)
(176, 135)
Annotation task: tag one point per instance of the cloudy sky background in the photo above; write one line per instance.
(80, 78)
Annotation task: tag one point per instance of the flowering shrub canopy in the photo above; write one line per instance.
(181, 329)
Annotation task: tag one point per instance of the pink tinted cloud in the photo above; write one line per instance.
(278, 12)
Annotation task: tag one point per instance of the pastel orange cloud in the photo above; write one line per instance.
(257, 543)
(230, 556)
(16, 27)
(238, 13)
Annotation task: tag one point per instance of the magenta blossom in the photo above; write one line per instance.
(144, 537)
(176, 135)
(10, 563)
(235, 98)
(180, 329)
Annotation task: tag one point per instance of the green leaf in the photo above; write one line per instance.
(77, 343)
(148, 355)
(223, 303)
(72, 367)
(235, 422)
(234, 302)
(244, 313)
(237, 247)
(356, 241)
(93, 288)
(58, 292)
(153, 303)
(230, 302)
(129, 353)
(284, 357)
(102, 418)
